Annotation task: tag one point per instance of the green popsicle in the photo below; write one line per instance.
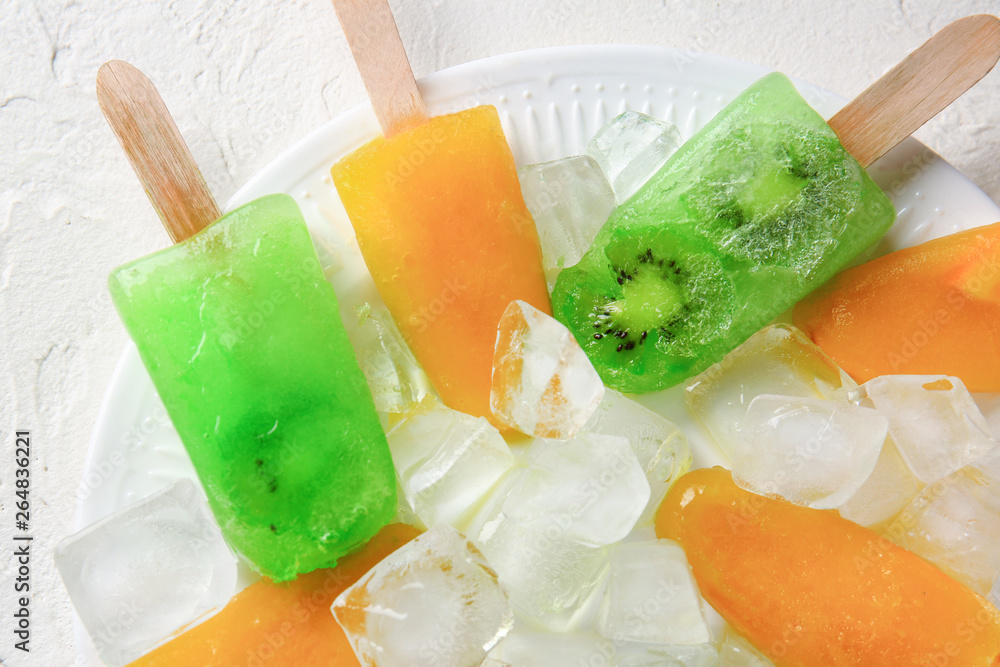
(241, 334)
(748, 216)
(242, 337)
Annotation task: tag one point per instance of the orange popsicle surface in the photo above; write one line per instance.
(933, 309)
(445, 233)
(281, 624)
(809, 588)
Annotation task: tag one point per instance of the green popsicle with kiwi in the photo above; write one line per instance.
(752, 213)
(763, 205)
(242, 337)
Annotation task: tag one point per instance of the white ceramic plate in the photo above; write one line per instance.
(551, 101)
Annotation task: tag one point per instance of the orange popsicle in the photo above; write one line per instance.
(281, 624)
(933, 309)
(443, 228)
(809, 588)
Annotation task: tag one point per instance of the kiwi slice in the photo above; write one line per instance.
(777, 198)
(642, 304)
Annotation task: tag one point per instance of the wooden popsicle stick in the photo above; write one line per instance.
(921, 85)
(378, 51)
(139, 118)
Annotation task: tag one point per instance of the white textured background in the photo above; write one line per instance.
(245, 80)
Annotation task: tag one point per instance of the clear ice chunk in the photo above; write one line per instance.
(661, 448)
(590, 489)
(546, 527)
(146, 571)
(435, 601)
(955, 524)
(885, 493)
(778, 359)
(446, 462)
(633, 654)
(934, 422)
(631, 148)
(570, 200)
(404, 511)
(543, 383)
(652, 597)
(396, 380)
(989, 405)
(990, 463)
(809, 451)
(548, 577)
(738, 652)
(526, 648)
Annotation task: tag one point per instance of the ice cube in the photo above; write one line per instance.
(809, 451)
(885, 493)
(543, 383)
(934, 422)
(633, 654)
(526, 648)
(652, 597)
(434, 601)
(446, 461)
(989, 463)
(549, 578)
(989, 405)
(778, 359)
(955, 524)
(590, 489)
(146, 571)
(661, 448)
(396, 380)
(546, 528)
(404, 511)
(631, 148)
(738, 652)
(570, 200)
